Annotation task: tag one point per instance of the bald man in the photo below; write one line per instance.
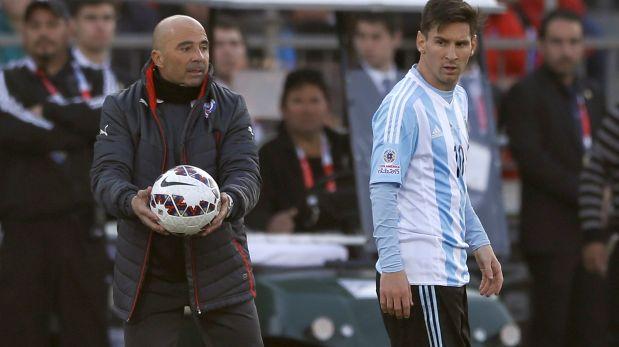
(176, 114)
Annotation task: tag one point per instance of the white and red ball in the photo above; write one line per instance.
(185, 199)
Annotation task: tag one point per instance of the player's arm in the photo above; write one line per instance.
(526, 136)
(593, 180)
(238, 163)
(477, 239)
(394, 138)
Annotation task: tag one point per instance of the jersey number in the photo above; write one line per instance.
(460, 159)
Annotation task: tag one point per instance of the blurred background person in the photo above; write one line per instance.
(53, 256)
(230, 52)
(551, 117)
(600, 252)
(93, 27)
(376, 39)
(11, 21)
(300, 190)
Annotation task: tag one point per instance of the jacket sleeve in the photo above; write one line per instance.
(238, 163)
(525, 139)
(113, 162)
(81, 118)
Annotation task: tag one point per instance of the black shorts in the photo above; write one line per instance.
(439, 318)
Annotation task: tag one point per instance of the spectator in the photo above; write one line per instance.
(599, 171)
(376, 39)
(230, 52)
(550, 118)
(11, 20)
(299, 191)
(52, 261)
(93, 25)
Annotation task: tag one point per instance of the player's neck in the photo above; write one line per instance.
(425, 73)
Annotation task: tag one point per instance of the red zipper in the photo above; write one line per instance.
(142, 273)
(241, 251)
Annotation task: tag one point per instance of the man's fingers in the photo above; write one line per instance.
(406, 306)
(398, 308)
(390, 305)
(383, 302)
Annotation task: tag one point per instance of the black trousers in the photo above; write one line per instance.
(232, 326)
(47, 268)
(439, 317)
(568, 304)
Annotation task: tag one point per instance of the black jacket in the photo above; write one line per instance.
(283, 187)
(46, 160)
(546, 142)
(130, 155)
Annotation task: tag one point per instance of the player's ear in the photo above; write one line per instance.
(421, 42)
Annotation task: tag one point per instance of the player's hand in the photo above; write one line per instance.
(595, 257)
(219, 219)
(283, 221)
(491, 273)
(395, 294)
(139, 204)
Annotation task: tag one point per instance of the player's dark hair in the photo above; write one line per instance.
(391, 22)
(300, 78)
(558, 14)
(75, 6)
(437, 13)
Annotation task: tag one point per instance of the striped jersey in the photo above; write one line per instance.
(420, 143)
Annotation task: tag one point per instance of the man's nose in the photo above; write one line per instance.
(451, 52)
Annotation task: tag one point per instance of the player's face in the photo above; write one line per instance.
(563, 46)
(375, 45)
(184, 57)
(94, 26)
(445, 53)
(305, 109)
(230, 52)
(45, 35)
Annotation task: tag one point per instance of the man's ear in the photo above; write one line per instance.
(421, 42)
(157, 57)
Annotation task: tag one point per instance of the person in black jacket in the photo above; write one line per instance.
(175, 114)
(51, 260)
(551, 117)
(301, 189)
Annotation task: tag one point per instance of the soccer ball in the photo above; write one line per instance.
(185, 199)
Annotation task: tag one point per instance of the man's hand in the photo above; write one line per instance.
(283, 221)
(139, 204)
(595, 258)
(395, 294)
(219, 219)
(491, 274)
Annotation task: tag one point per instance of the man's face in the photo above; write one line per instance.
(230, 52)
(563, 46)
(45, 35)
(94, 26)
(445, 53)
(184, 56)
(375, 45)
(305, 109)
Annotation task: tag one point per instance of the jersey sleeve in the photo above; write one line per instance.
(395, 131)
